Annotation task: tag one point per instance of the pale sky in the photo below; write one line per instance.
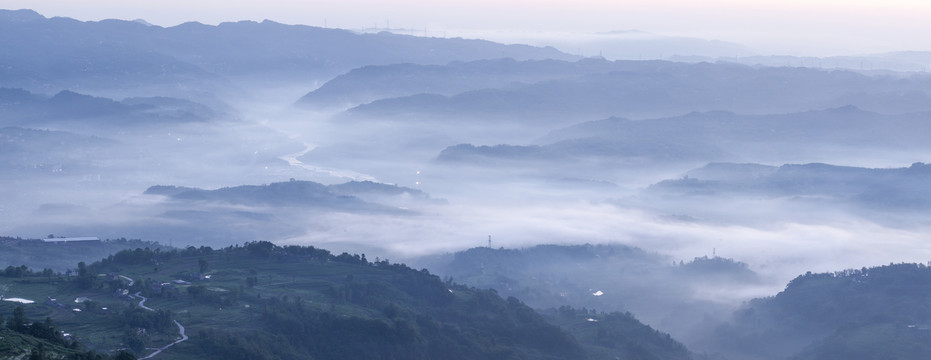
(795, 27)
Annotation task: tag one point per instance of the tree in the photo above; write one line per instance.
(18, 321)
(202, 265)
(196, 291)
(91, 306)
(37, 353)
(134, 340)
(48, 273)
(122, 355)
(85, 277)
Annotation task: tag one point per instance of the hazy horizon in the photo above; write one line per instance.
(797, 28)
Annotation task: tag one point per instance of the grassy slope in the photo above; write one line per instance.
(346, 288)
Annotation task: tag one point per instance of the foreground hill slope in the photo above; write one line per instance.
(608, 278)
(868, 313)
(262, 301)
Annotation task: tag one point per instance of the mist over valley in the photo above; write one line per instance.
(685, 206)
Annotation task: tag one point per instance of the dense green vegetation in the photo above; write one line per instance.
(38, 254)
(263, 301)
(669, 295)
(616, 335)
(39, 340)
(868, 313)
(402, 314)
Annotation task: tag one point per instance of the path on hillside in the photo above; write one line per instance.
(159, 350)
(142, 302)
(184, 337)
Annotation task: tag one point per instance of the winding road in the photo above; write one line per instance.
(142, 305)
(159, 350)
(142, 302)
(127, 278)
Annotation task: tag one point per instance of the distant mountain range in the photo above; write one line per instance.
(709, 137)
(905, 61)
(903, 189)
(639, 45)
(135, 59)
(295, 193)
(68, 109)
(598, 88)
(370, 83)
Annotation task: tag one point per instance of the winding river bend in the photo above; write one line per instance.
(293, 160)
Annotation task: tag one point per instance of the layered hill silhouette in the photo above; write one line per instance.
(569, 92)
(130, 56)
(886, 189)
(295, 193)
(711, 136)
(852, 314)
(72, 109)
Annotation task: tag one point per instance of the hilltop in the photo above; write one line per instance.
(866, 313)
(191, 58)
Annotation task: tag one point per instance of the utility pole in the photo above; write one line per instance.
(489, 241)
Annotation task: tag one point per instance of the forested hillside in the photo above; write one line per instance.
(868, 313)
(263, 301)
